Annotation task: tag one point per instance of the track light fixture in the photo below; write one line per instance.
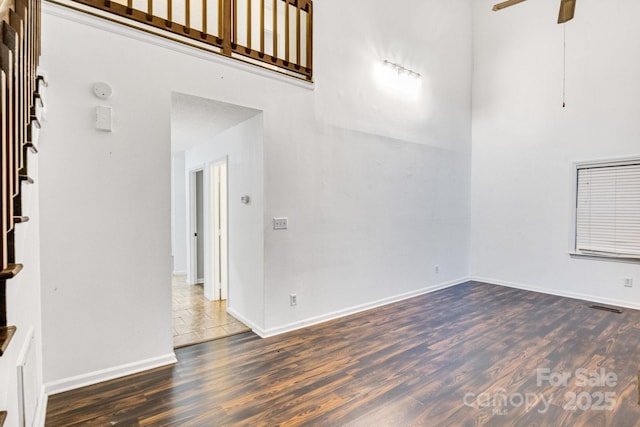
(401, 70)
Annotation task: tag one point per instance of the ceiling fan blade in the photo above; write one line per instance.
(567, 9)
(506, 4)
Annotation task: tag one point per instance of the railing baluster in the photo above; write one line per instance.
(262, 26)
(9, 36)
(16, 21)
(5, 173)
(298, 33)
(220, 17)
(226, 25)
(235, 21)
(249, 23)
(32, 49)
(286, 30)
(6, 62)
(275, 29)
(187, 19)
(149, 10)
(169, 11)
(204, 16)
(309, 35)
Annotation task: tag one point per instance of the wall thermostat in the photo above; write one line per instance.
(102, 90)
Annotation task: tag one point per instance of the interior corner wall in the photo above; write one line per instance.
(242, 146)
(525, 143)
(178, 211)
(376, 186)
(23, 297)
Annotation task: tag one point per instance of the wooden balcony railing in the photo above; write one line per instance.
(277, 34)
(19, 100)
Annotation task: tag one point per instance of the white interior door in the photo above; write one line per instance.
(220, 229)
(196, 255)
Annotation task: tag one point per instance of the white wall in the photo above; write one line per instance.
(23, 296)
(105, 205)
(375, 186)
(242, 146)
(178, 214)
(524, 142)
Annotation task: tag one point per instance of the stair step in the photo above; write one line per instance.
(41, 81)
(6, 333)
(31, 146)
(10, 272)
(38, 97)
(26, 178)
(20, 219)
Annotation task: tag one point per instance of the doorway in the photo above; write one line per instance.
(200, 297)
(208, 229)
(223, 144)
(197, 226)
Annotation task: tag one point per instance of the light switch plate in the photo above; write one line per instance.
(103, 118)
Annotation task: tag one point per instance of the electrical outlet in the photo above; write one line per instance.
(436, 269)
(280, 223)
(293, 299)
(628, 282)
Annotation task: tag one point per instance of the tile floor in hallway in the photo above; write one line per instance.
(195, 319)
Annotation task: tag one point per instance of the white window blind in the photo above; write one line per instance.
(608, 210)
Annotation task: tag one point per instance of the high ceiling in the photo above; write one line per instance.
(195, 120)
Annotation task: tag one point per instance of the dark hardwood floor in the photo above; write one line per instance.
(471, 355)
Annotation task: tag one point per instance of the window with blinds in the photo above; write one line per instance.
(608, 210)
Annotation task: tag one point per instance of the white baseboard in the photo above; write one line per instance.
(356, 309)
(559, 293)
(255, 328)
(91, 378)
(180, 273)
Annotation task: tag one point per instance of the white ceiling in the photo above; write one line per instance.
(195, 120)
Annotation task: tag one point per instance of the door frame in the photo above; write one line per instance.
(219, 209)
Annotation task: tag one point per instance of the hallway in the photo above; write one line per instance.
(196, 320)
